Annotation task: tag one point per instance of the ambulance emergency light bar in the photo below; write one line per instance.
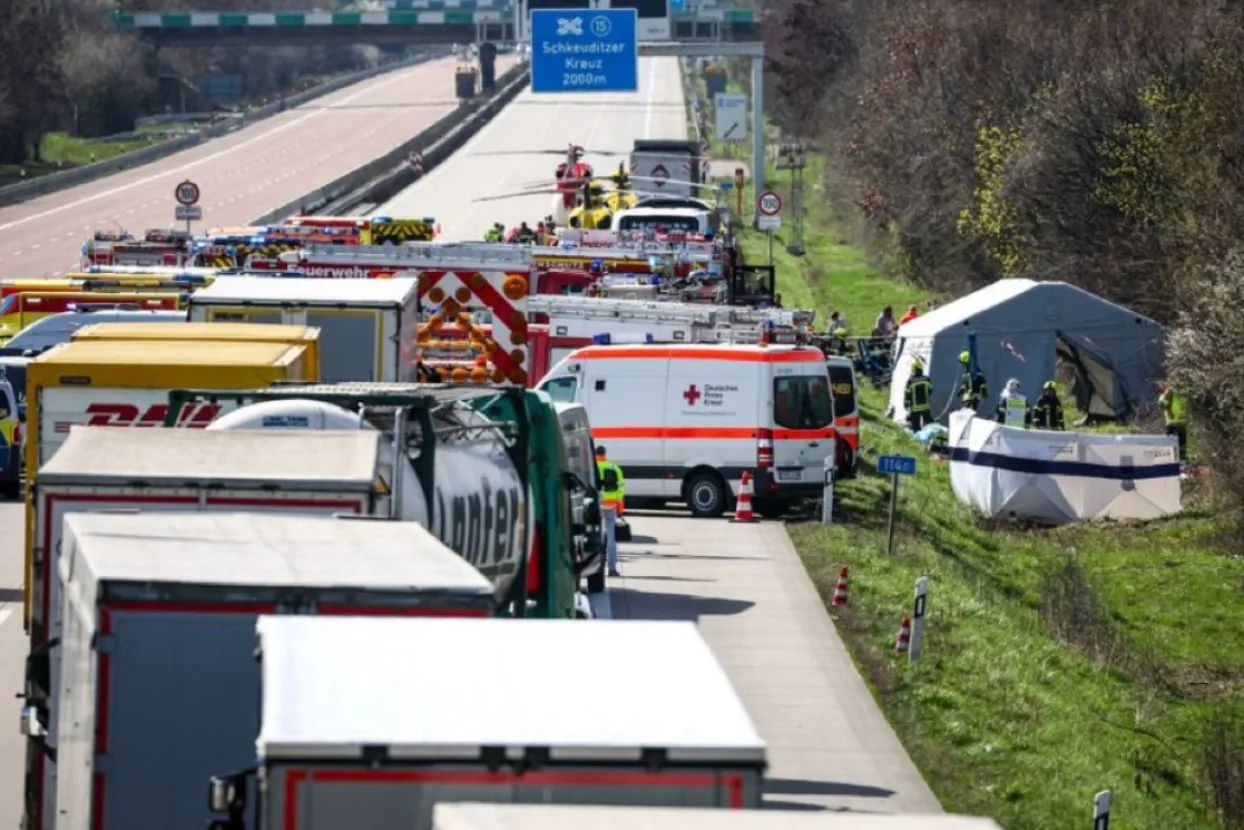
(607, 339)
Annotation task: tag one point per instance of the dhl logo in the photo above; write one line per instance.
(103, 414)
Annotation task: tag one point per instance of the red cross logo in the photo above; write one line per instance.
(692, 395)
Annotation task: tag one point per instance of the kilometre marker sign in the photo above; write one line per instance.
(769, 203)
(187, 193)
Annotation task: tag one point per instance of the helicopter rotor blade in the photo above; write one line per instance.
(516, 195)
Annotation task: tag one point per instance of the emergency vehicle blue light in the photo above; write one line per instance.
(600, 339)
(380, 220)
(430, 220)
(649, 339)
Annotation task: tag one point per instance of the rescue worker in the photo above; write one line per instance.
(1175, 412)
(912, 313)
(918, 398)
(972, 390)
(612, 485)
(1047, 412)
(526, 235)
(1013, 407)
(838, 341)
(496, 233)
(621, 179)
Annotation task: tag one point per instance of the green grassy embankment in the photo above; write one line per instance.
(1057, 662)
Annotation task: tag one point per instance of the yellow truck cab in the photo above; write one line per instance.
(293, 335)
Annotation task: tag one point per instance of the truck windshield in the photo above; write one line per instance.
(802, 402)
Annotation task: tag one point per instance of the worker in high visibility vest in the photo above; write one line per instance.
(918, 398)
(1013, 408)
(612, 486)
(1175, 412)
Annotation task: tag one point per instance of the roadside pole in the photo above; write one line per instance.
(827, 491)
(1101, 810)
(920, 608)
(894, 466)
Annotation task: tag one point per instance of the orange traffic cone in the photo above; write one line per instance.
(743, 510)
(840, 590)
(904, 637)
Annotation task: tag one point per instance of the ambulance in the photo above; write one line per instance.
(685, 421)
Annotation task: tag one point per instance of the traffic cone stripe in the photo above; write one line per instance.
(904, 636)
(840, 590)
(743, 508)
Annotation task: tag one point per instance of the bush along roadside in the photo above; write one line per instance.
(1056, 663)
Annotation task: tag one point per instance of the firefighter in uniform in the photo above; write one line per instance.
(1013, 407)
(612, 486)
(1047, 412)
(918, 398)
(526, 235)
(973, 390)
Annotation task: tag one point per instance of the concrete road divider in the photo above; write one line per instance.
(42, 185)
(378, 181)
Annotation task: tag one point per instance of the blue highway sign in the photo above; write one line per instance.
(896, 465)
(583, 50)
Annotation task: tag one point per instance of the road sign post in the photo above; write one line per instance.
(583, 50)
(187, 194)
(894, 466)
(769, 216)
(918, 611)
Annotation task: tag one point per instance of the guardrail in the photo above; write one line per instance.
(379, 180)
(42, 185)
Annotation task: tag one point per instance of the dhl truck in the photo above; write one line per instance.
(308, 336)
(20, 310)
(371, 230)
(126, 384)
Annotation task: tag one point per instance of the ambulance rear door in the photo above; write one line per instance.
(624, 403)
(803, 424)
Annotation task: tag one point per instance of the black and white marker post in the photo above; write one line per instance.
(1101, 810)
(920, 608)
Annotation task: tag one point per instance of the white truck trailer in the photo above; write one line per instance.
(571, 817)
(118, 468)
(352, 737)
(161, 686)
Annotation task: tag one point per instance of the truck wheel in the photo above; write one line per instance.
(706, 495)
(596, 582)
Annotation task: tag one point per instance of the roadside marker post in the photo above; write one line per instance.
(919, 609)
(1101, 810)
(827, 493)
(894, 466)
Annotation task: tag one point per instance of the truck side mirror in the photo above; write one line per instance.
(226, 794)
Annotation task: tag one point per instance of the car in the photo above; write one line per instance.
(55, 329)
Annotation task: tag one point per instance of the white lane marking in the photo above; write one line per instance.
(400, 75)
(652, 89)
(4, 615)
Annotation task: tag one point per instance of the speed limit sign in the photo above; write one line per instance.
(769, 203)
(187, 193)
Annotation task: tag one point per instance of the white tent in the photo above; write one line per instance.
(1061, 477)
(1022, 328)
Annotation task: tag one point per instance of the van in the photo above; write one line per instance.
(846, 414)
(685, 422)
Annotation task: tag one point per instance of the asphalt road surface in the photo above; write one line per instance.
(242, 175)
(525, 143)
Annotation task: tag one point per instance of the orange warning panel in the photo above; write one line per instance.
(500, 350)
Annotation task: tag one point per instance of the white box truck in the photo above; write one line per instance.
(161, 686)
(352, 737)
(118, 468)
(367, 327)
(571, 817)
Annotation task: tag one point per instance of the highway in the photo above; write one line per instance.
(242, 175)
(830, 746)
(501, 159)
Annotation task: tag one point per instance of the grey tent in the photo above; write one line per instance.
(1022, 327)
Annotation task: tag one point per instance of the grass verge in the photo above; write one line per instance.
(1057, 662)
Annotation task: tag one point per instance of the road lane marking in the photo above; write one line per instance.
(213, 157)
(4, 615)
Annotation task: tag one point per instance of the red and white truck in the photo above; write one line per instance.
(111, 468)
(161, 687)
(372, 722)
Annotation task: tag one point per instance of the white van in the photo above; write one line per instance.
(676, 219)
(684, 421)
